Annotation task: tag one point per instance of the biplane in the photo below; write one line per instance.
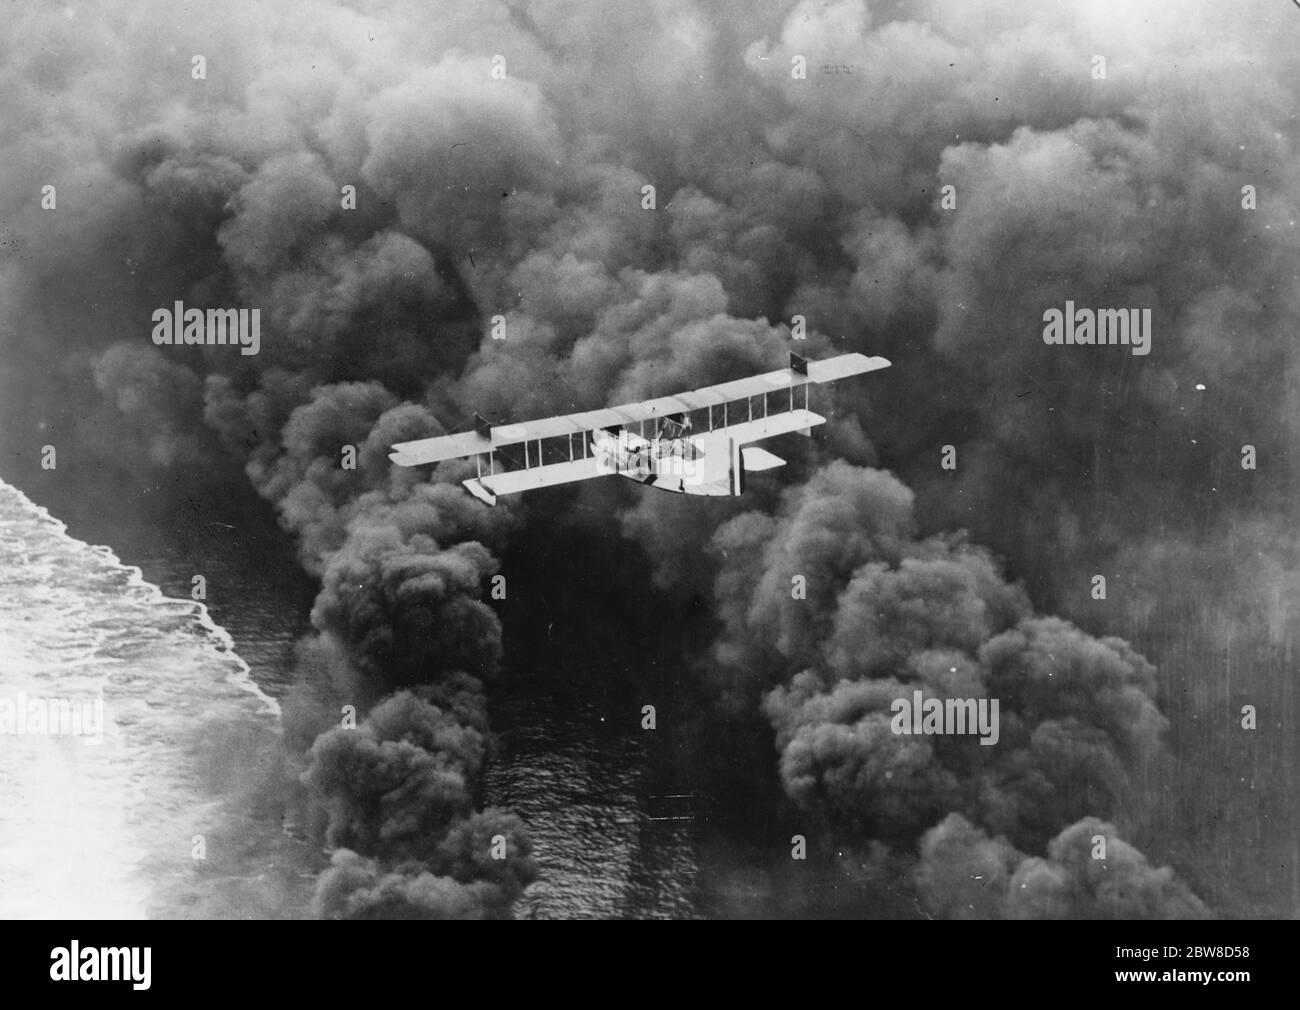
(700, 442)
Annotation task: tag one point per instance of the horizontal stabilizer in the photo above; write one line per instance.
(760, 459)
(480, 492)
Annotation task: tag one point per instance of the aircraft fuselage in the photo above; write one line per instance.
(675, 464)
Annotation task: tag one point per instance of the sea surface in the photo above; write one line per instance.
(170, 815)
(102, 825)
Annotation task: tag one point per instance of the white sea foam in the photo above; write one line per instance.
(86, 831)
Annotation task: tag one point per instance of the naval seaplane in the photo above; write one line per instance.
(700, 442)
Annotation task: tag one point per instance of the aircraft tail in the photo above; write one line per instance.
(759, 459)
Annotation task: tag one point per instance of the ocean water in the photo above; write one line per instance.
(114, 827)
(190, 738)
(610, 842)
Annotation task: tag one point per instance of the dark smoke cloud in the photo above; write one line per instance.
(398, 791)
(964, 874)
(885, 616)
(356, 888)
(152, 398)
(394, 783)
(408, 609)
(775, 197)
(464, 888)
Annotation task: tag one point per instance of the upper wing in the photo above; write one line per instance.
(434, 450)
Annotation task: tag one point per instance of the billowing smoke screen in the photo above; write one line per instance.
(1009, 636)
